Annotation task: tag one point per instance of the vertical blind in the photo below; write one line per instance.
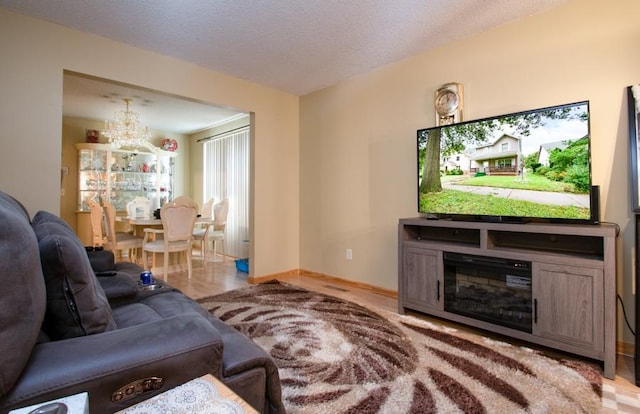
(226, 175)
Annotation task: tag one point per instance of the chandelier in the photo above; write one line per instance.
(124, 130)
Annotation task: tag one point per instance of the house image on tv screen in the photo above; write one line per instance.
(499, 157)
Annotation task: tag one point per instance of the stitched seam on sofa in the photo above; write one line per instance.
(66, 288)
(236, 368)
(71, 304)
(244, 377)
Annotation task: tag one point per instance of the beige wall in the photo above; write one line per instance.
(357, 149)
(35, 54)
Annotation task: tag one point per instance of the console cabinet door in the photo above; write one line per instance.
(421, 268)
(569, 304)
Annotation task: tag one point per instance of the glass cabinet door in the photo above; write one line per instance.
(132, 175)
(119, 176)
(166, 178)
(92, 176)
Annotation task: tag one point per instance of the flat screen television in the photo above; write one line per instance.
(530, 166)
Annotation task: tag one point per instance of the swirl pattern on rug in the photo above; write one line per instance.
(336, 356)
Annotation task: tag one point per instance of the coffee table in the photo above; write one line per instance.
(201, 395)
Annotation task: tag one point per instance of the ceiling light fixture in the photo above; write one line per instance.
(124, 131)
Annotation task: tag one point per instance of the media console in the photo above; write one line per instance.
(549, 284)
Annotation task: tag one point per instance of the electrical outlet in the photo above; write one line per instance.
(349, 254)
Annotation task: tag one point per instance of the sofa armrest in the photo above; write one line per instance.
(119, 288)
(175, 349)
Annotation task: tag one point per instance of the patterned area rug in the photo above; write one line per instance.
(335, 356)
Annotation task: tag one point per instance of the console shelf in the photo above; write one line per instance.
(573, 274)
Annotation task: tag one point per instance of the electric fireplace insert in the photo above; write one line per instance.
(490, 289)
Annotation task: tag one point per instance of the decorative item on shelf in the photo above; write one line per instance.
(124, 130)
(448, 103)
(93, 136)
(98, 164)
(169, 144)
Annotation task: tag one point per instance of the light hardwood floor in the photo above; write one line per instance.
(211, 278)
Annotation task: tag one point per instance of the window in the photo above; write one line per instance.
(226, 175)
(504, 146)
(504, 163)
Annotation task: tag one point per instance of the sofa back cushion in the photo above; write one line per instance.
(22, 296)
(76, 303)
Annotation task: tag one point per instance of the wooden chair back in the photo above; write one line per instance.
(178, 218)
(97, 221)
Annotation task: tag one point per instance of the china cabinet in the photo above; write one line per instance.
(120, 175)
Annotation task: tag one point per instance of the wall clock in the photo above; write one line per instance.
(448, 103)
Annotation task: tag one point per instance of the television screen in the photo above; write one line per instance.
(526, 166)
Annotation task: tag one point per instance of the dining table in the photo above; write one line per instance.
(138, 224)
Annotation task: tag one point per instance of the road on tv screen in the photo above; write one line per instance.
(541, 197)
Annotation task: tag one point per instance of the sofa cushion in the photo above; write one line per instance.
(76, 303)
(61, 226)
(119, 288)
(22, 297)
(134, 314)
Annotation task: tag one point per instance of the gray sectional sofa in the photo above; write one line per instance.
(65, 330)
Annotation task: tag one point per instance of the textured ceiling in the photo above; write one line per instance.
(297, 46)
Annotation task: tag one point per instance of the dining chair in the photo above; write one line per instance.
(201, 230)
(97, 221)
(119, 241)
(218, 227)
(178, 218)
